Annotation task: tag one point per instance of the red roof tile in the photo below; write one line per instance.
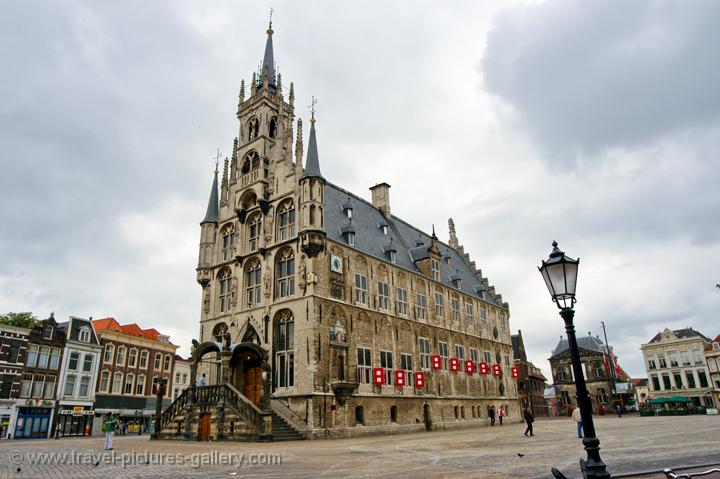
(106, 324)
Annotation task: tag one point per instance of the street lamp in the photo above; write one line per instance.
(560, 275)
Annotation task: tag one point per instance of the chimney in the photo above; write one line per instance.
(381, 198)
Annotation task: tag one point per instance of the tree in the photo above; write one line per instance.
(22, 320)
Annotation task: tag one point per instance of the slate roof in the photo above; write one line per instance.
(587, 342)
(212, 210)
(370, 239)
(312, 164)
(75, 324)
(516, 340)
(682, 334)
(268, 59)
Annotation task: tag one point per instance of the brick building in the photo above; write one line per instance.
(131, 359)
(13, 348)
(712, 355)
(35, 409)
(325, 310)
(530, 381)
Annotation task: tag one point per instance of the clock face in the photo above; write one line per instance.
(336, 264)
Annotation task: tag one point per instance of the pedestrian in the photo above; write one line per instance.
(529, 419)
(491, 415)
(578, 419)
(618, 409)
(501, 413)
(108, 426)
(201, 381)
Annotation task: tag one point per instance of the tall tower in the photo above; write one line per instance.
(312, 187)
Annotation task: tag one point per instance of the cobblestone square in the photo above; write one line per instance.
(629, 444)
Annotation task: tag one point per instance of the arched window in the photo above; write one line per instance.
(253, 128)
(228, 241)
(219, 331)
(272, 129)
(129, 384)
(254, 227)
(132, 358)
(117, 383)
(140, 386)
(285, 274)
(253, 277)
(286, 221)
(284, 350)
(225, 289)
(120, 360)
(158, 362)
(250, 162)
(166, 365)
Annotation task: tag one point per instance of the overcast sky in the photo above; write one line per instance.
(596, 124)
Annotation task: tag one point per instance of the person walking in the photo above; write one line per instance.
(578, 419)
(109, 425)
(529, 419)
(491, 415)
(501, 413)
(618, 409)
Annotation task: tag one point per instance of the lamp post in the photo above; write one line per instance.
(560, 275)
(159, 386)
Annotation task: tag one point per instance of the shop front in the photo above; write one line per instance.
(6, 410)
(75, 420)
(34, 419)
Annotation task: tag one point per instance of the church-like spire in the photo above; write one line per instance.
(268, 66)
(212, 210)
(312, 164)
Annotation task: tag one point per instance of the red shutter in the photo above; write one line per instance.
(436, 362)
(469, 366)
(379, 376)
(484, 368)
(419, 379)
(454, 365)
(400, 378)
(497, 371)
(515, 373)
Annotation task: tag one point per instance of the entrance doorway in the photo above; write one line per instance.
(426, 417)
(205, 426)
(247, 374)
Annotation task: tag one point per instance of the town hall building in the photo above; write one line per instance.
(324, 314)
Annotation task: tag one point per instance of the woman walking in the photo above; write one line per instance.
(529, 419)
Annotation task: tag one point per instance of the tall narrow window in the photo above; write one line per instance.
(424, 347)
(129, 384)
(44, 356)
(435, 269)
(166, 364)
(444, 354)
(455, 309)
(104, 381)
(420, 306)
(69, 385)
(360, 289)
(439, 305)
(120, 359)
(84, 386)
(140, 386)
(402, 301)
(286, 274)
(253, 280)
(459, 351)
(386, 362)
(84, 335)
(364, 365)
(49, 391)
(383, 296)
(132, 358)
(407, 365)
(225, 290)
(158, 362)
(143, 359)
(286, 221)
(88, 362)
(469, 313)
(54, 358)
(284, 350)
(109, 353)
(73, 361)
(254, 227)
(117, 383)
(228, 241)
(32, 353)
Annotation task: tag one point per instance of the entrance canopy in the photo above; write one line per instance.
(674, 399)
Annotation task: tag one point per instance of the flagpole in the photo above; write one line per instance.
(610, 361)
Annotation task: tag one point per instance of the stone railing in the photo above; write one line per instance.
(173, 409)
(245, 408)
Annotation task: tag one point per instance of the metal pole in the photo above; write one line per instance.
(612, 369)
(593, 467)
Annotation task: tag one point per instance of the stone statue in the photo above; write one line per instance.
(266, 283)
(302, 273)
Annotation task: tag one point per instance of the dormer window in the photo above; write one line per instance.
(390, 251)
(716, 345)
(383, 227)
(48, 332)
(350, 238)
(447, 258)
(347, 209)
(456, 280)
(84, 335)
(435, 269)
(348, 233)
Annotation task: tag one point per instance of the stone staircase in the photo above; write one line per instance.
(233, 417)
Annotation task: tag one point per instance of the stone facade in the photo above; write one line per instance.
(13, 348)
(331, 286)
(531, 381)
(676, 366)
(596, 361)
(712, 356)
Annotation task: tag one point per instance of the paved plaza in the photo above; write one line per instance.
(629, 444)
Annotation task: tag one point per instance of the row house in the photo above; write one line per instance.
(13, 348)
(531, 381)
(35, 409)
(676, 366)
(712, 356)
(78, 376)
(132, 359)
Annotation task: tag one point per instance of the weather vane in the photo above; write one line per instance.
(217, 160)
(271, 12)
(312, 106)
